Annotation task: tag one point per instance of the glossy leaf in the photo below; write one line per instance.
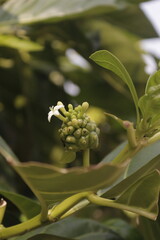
(18, 43)
(28, 207)
(143, 195)
(109, 61)
(74, 228)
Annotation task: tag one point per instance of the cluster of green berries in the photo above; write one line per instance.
(77, 131)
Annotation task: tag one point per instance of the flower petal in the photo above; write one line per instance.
(50, 114)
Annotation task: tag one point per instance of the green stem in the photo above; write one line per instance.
(131, 134)
(122, 156)
(21, 228)
(127, 152)
(155, 138)
(86, 158)
(93, 198)
(66, 205)
(3, 205)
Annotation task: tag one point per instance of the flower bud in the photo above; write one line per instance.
(77, 132)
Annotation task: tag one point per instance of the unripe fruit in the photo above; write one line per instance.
(79, 132)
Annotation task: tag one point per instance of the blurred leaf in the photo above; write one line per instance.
(74, 228)
(28, 207)
(47, 237)
(22, 12)
(68, 157)
(143, 195)
(137, 22)
(109, 61)
(114, 153)
(6, 152)
(123, 228)
(18, 43)
(150, 229)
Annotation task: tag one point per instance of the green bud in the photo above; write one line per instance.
(93, 140)
(85, 132)
(91, 126)
(70, 107)
(80, 121)
(65, 130)
(70, 129)
(69, 123)
(85, 106)
(70, 139)
(75, 122)
(78, 133)
(83, 142)
(84, 123)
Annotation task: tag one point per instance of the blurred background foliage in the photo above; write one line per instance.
(44, 57)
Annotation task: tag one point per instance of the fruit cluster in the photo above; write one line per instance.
(78, 132)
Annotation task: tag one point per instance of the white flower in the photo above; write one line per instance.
(54, 111)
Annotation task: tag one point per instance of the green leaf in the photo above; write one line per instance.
(32, 11)
(51, 184)
(18, 43)
(150, 229)
(7, 153)
(109, 61)
(137, 23)
(47, 237)
(68, 157)
(109, 157)
(149, 104)
(28, 207)
(123, 228)
(142, 163)
(74, 228)
(153, 83)
(143, 195)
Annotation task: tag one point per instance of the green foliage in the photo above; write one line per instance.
(134, 195)
(75, 228)
(150, 104)
(109, 61)
(27, 206)
(52, 10)
(51, 184)
(20, 44)
(150, 229)
(125, 230)
(36, 40)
